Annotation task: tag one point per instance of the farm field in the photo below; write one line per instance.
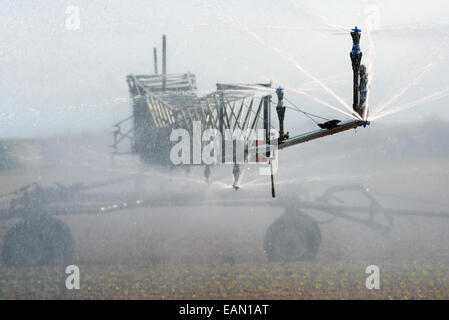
(296, 280)
(216, 252)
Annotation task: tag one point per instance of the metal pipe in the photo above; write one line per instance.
(356, 58)
(155, 60)
(356, 98)
(164, 62)
(344, 126)
(280, 109)
(267, 121)
(221, 111)
(273, 192)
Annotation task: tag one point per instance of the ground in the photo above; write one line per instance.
(296, 280)
(216, 252)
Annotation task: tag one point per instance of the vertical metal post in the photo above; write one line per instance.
(267, 126)
(164, 63)
(155, 60)
(356, 58)
(355, 89)
(273, 192)
(280, 109)
(267, 121)
(221, 110)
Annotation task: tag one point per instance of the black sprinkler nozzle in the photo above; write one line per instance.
(364, 123)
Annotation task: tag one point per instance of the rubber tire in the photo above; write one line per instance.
(292, 237)
(37, 241)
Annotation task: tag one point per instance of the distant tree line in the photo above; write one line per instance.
(7, 161)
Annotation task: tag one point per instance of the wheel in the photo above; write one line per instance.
(292, 237)
(22, 246)
(57, 238)
(37, 241)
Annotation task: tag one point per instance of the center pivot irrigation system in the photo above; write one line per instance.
(165, 102)
(162, 103)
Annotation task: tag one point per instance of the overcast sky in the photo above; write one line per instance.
(56, 80)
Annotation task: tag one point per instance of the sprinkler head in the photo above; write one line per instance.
(355, 34)
(364, 123)
(280, 92)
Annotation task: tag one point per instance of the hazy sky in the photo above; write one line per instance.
(56, 80)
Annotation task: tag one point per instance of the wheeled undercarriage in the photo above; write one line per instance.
(40, 238)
